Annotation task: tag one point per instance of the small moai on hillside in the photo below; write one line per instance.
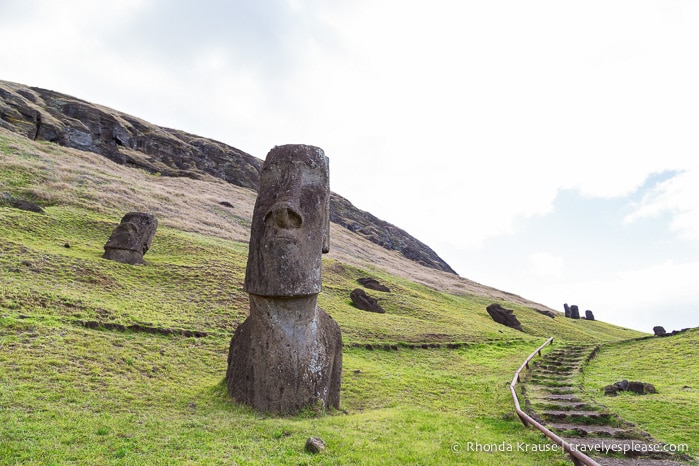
(287, 355)
(574, 312)
(567, 309)
(589, 315)
(131, 239)
(659, 331)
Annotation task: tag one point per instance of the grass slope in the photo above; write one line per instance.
(70, 394)
(671, 364)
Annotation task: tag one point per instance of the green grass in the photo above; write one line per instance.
(672, 365)
(73, 395)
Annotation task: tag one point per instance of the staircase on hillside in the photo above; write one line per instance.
(554, 399)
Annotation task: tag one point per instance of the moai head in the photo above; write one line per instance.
(290, 223)
(132, 238)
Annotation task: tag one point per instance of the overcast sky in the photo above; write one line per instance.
(547, 148)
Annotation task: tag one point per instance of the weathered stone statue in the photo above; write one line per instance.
(131, 239)
(589, 315)
(288, 353)
(567, 309)
(574, 311)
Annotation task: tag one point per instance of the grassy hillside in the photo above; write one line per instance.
(671, 364)
(153, 395)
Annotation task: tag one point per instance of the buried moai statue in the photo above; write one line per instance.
(131, 239)
(287, 355)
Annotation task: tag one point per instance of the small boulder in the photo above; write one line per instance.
(610, 390)
(315, 445)
(636, 387)
(26, 205)
(365, 302)
(373, 284)
(504, 316)
(546, 313)
(622, 385)
(589, 315)
(659, 331)
(649, 388)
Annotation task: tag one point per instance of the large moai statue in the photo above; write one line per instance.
(566, 309)
(288, 353)
(131, 239)
(574, 312)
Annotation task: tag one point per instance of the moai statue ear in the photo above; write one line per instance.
(326, 222)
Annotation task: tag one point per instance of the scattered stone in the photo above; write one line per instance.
(659, 331)
(589, 315)
(365, 302)
(287, 355)
(226, 204)
(636, 387)
(26, 205)
(130, 241)
(622, 385)
(504, 316)
(610, 390)
(546, 313)
(640, 388)
(373, 284)
(315, 445)
(67, 245)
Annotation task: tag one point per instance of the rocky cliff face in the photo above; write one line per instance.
(45, 115)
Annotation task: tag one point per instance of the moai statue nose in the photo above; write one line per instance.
(284, 216)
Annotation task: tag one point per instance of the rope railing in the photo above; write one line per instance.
(578, 458)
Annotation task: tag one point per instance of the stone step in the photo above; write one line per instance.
(559, 390)
(637, 462)
(577, 416)
(587, 430)
(601, 446)
(551, 383)
(565, 397)
(566, 405)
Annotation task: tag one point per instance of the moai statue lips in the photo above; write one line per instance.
(131, 239)
(288, 353)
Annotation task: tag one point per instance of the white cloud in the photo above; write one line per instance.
(547, 265)
(678, 196)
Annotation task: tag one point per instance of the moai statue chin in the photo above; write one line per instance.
(287, 355)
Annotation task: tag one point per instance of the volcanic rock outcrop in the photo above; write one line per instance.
(45, 115)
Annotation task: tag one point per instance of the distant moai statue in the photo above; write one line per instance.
(589, 315)
(288, 353)
(567, 309)
(574, 312)
(131, 239)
